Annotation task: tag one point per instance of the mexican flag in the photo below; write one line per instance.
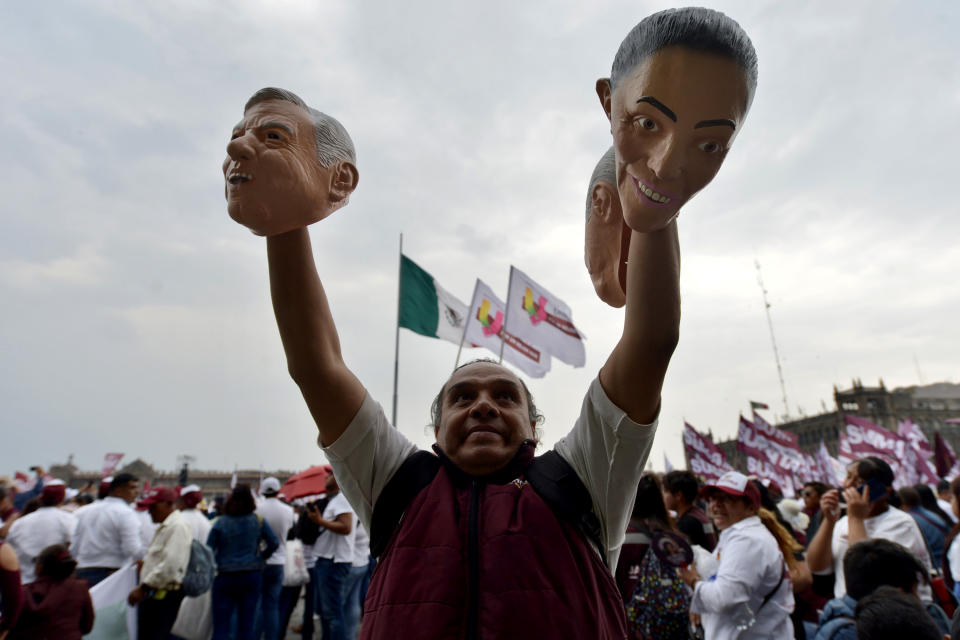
(758, 405)
(426, 307)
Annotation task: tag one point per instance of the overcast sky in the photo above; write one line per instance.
(136, 314)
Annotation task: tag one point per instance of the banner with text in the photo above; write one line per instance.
(705, 458)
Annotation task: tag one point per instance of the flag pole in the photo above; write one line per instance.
(506, 315)
(396, 346)
(466, 323)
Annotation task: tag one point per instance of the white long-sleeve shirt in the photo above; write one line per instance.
(750, 566)
(107, 535)
(34, 532)
(166, 560)
(199, 524)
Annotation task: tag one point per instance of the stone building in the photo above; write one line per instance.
(213, 483)
(927, 405)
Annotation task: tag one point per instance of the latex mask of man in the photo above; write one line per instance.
(287, 165)
(606, 236)
(678, 93)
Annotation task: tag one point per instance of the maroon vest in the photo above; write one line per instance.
(487, 558)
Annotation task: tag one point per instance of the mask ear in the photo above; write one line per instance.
(343, 182)
(601, 203)
(604, 93)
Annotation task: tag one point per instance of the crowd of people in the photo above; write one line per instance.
(54, 549)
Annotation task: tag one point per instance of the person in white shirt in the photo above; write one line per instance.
(107, 535)
(46, 526)
(751, 595)
(190, 496)
(280, 518)
(164, 566)
(945, 499)
(356, 582)
(335, 551)
(867, 517)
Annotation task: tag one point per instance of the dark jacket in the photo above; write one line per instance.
(493, 561)
(55, 610)
(235, 541)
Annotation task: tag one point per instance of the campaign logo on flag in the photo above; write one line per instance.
(542, 320)
(485, 329)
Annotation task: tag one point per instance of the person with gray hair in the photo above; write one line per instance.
(287, 165)
(606, 237)
(679, 91)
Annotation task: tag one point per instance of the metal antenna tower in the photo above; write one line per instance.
(773, 339)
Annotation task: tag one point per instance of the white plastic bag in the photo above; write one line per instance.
(295, 568)
(195, 618)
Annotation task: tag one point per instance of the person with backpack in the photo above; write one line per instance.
(235, 539)
(484, 538)
(160, 592)
(656, 599)
(751, 594)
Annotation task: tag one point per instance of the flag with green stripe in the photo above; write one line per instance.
(426, 307)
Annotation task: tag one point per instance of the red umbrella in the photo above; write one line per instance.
(306, 483)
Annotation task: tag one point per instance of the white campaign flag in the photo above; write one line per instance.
(485, 329)
(541, 319)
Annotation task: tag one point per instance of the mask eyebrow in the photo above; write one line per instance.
(276, 125)
(658, 105)
(722, 122)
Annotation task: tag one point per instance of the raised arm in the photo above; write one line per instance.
(310, 341)
(633, 374)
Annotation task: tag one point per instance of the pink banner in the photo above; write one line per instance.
(779, 461)
(706, 458)
(110, 462)
(831, 470)
(781, 437)
(909, 430)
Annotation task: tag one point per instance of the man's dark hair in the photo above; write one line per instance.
(684, 483)
(943, 485)
(240, 502)
(819, 487)
(436, 407)
(122, 480)
(874, 467)
(909, 497)
(890, 614)
(877, 562)
(695, 28)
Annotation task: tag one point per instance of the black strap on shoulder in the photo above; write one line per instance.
(411, 478)
(766, 598)
(558, 484)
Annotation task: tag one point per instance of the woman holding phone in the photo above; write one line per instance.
(866, 490)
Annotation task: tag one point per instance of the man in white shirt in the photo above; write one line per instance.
(107, 536)
(165, 564)
(36, 531)
(334, 549)
(868, 516)
(190, 496)
(945, 499)
(280, 518)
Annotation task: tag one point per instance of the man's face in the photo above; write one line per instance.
(484, 418)
(853, 478)
(273, 180)
(127, 492)
(727, 510)
(607, 240)
(160, 510)
(673, 119)
(330, 484)
(669, 501)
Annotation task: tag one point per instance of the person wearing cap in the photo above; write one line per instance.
(46, 526)
(107, 536)
(191, 496)
(751, 595)
(280, 518)
(867, 517)
(164, 566)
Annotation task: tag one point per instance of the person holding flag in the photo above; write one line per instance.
(483, 535)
